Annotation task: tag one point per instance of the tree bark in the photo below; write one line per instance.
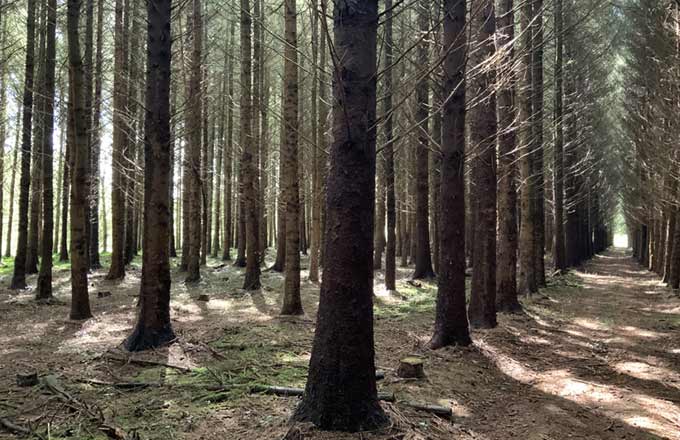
(451, 321)
(292, 304)
(506, 268)
(19, 275)
(483, 127)
(153, 328)
(391, 245)
(423, 257)
(44, 288)
(527, 276)
(80, 302)
(193, 155)
(229, 153)
(249, 171)
(559, 252)
(341, 390)
(117, 268)
(95, 262)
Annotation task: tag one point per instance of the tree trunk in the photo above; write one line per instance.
(527, 276)
(229, 152)
(391, 245)
(292, 304)
(153, 328)
(193, 155)
(44, 289)
(80, 302)
(341, 390)
(32, 250)
(12, 187)
(451, 322)
(248, 167)
(95, 262)
(19, 275)
(559, 252)
(506, 268)
(117, 269)
(483, 128)
(423, 258)
(537, 124)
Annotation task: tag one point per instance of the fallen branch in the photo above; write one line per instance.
(121, 385)
(146, 363)
(442, 411)
(13, 428)
(296, 392)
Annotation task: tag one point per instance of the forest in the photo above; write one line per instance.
(339, 219)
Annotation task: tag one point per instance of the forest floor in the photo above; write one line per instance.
(595, 356)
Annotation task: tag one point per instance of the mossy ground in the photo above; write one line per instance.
(594, 356)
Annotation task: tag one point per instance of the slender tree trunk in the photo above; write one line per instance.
(390, 251)
(527, 276)
(292, 304)
(44, 290)
(12, 186)
(32, 249)
(153, 328)
(483, 127)
(537, 124)
(343, 354)
(320, 145)
(248, 165)
(229, 152)
(559, 253)
(451, 322)
(95, 262)
(65, 193)
(19, 276)
(3, 119)
(193, 157)
(423, 256)
(117, 269)
(506, 268)
(80, 303)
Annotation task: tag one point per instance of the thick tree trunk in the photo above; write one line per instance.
(506, 264)
(44, 288)
(153, 328)
(248, 164)
(19, 275)
(341, 391)
(80, 302)
(483, 127)
(451, 322)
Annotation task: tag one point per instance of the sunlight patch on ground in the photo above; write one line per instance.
(652, 414)
(105, 330)
(641, 333)
(645, 371)
(590, 324)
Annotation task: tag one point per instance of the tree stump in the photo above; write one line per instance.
(103, 294)
(203, 297)
(411, 367)
(27, 379)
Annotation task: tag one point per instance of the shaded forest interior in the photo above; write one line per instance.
(314, 219)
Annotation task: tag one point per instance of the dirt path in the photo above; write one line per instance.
(595, 356)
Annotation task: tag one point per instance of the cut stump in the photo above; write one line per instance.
(411, 367)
